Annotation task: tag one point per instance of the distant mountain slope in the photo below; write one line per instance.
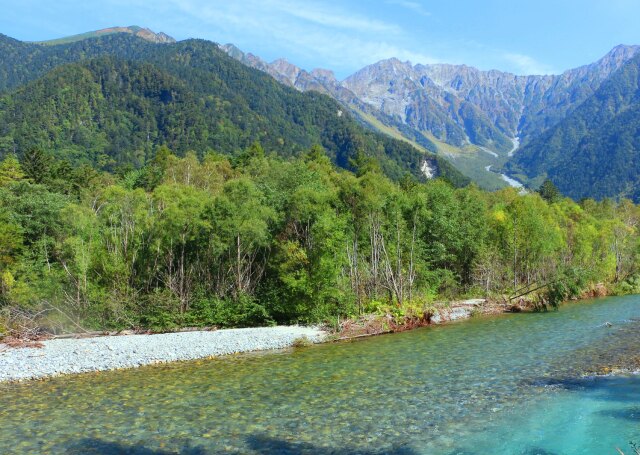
(103, 112)
(595, 150)
(188, 95)
(456, 103)
(401, 91)
(477, 119)
(140, 32)
(21, 62)
(483, 122)
(324, 81)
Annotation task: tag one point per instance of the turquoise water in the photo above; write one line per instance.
(512, 384)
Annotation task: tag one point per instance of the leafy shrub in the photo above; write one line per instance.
(158, 311)
(629, 286)
(569, 285)
(4, 324)
(242, 312)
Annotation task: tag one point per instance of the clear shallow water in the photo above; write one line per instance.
(505, 385)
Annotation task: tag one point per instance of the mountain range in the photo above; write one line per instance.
(578, 129)
(478, 119)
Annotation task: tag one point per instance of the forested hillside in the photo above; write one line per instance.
(190, 95)
(595, 151)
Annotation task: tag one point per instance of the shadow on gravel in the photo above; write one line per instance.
(258, 444)
(632, 414)
(270, 446)
(530, 451)
(608, 388)
(90, 446)
(538, 451)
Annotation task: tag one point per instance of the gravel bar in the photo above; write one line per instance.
(66, 356)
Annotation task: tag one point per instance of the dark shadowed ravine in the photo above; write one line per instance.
(512, 384)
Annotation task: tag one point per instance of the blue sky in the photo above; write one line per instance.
(523, 37)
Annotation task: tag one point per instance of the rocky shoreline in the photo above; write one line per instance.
(82, 354)
(67, 356)
(378, 324)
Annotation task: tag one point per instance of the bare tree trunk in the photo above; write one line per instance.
(515, 252)
(238, 267)
(354, 273)
(184, 301)
(412, 276)
(393, 277)
(399, 273)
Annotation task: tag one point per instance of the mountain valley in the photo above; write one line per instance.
(496, 128)
(477, 119)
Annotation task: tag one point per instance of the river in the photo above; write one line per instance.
(511, 181)
(511, 384)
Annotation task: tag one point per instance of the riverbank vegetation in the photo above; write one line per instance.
(255, 239)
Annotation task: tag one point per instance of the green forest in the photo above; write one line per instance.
(593, 151)
(257, 239)
(107, 102)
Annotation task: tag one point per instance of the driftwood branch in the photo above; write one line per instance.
(67, 316)
(532, 290)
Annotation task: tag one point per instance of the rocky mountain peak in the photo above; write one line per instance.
(622, 51)
(456, 104)
(149, 35)
(323, 75)
(232, 50)
(286, 69)
(617, 57)
(394, 65)
(140, 32)
(604, 67)
(381, 75)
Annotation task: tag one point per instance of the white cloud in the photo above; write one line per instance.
(410, 5)
(527, 65)
(327, 32)
(337, 19)
(286, 11)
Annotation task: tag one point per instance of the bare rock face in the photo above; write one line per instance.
(388, 86)
(320, 80)
(140, 32)
(144, 33)
(456, 104)
(286, 70)
(159, 38)
(326, 76)
(521, 106)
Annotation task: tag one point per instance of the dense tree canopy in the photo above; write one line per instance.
(262, 239)
(109, 101)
